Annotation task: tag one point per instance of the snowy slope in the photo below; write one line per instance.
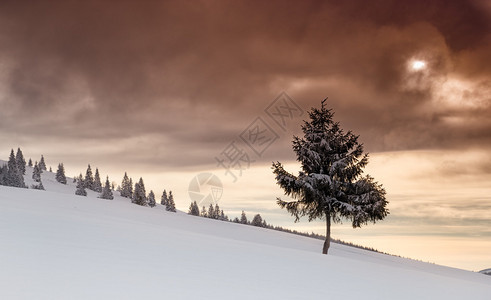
(56, 245)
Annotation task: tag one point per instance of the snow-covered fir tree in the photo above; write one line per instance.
(257, 221)
(97, 185)
(170, 205)
(223, 217)
(21, 162)
(3, 174)
(243, 218)
(42, 164)
(330, 185)
(36, 173)
(130, 189)
(193, 209)
(164, 199)
(60, 174)
(211, 212)
(14, 174)
(107, 192)
(50, 170)
(151, 199)
(126, 186)
(30, 163)
(80, 187)
(139, 194)
(89, 178)
(217, 211)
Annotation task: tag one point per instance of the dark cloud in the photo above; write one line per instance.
(196, 73)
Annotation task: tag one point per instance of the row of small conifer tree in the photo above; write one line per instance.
(214, 212)
(12, 174)
(137, 194)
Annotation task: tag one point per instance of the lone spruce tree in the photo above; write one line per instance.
(330, 185)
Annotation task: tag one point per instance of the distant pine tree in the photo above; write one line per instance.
(60, 174)
(30, 163)
(139, 195)
(217, 212)
(21, 162)
(193, 209)
(236, 220)
(107, 193)
(164, 199)
(257, 221)
(223, 217)
(36, 173)
(211, 212)
(42, 164)
(170, 205)
(203, 212)
(50, 170)
(243, 218)
(125, 186)
(130, 189)
(97, 185)
(3, 175)
(89, 178)
(80, 187)
(151, 199)
(14, 175)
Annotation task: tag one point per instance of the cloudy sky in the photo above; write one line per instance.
(161, 89)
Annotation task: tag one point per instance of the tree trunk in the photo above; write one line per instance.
(327, 242)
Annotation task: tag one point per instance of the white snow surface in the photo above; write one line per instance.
(56, 245)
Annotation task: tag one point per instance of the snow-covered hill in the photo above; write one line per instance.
(56, 245)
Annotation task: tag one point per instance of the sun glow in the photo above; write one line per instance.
(418, 65)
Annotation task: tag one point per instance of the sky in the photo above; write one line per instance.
(166, 89)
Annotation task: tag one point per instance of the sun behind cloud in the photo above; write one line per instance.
(417, 65)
